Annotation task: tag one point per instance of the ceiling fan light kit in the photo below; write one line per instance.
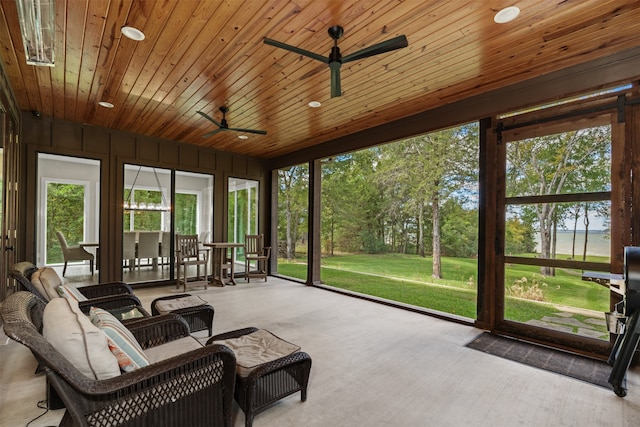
(335, 59)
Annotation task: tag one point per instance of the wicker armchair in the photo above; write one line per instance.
(269, 382)
(112, 296)
(192, 389)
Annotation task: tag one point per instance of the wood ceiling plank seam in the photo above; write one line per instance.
(27, 72)
(11, 64)
(589, 38)
(169, 42)
(179, 73)
(94, 31)
(230, 69)
(447, 12)
(43, 75)
(288, 77)
(249, 97)
(328, 77)
(109, 45)
(58, 72)
(124, 48)
(191, 112)
(158, 15)
(174, 63)
(444, 24)
(576, 16)
(189, 74)
(75, 27)
(192, 79)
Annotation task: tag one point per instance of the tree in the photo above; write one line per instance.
(293, 189)
(572, 161)
(427, 170)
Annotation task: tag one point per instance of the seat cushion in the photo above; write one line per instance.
(76, 338)
(122, 343)
(165, 306)
(46, 281)
(173, 348)
(257, 348)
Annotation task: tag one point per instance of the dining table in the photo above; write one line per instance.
(222, 262)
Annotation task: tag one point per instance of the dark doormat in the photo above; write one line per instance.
(572, 365)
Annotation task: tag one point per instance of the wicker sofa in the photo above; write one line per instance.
(192, 389)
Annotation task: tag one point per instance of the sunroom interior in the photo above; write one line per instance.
(128, 178)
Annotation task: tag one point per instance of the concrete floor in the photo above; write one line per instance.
(373, 365)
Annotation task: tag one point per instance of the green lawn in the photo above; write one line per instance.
(407, 279)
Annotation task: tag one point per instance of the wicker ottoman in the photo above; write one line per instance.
(196, 311)
(258, 385)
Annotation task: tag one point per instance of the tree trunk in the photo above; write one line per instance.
(586, 231)
(288, 230)
(554, 242)
(421, 251)
(575, 228)
(437, 268)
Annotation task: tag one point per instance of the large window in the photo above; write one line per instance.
(69, 198)
(398, 221)
(148, 233)
(293, 219)
(242, 211)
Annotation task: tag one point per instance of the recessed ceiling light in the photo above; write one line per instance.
(507, 14)
(105, 104)
(314, 104)
(243, 137)
(132, 33)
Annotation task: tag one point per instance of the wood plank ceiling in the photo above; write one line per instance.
(200, 55)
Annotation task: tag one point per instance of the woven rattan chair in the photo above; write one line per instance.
(269, 382)
(111, 296)
(193, 389)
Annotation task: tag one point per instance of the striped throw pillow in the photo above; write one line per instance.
(121, 342)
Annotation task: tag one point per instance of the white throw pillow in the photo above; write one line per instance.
(84, 345)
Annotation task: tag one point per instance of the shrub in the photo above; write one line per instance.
(522, 288)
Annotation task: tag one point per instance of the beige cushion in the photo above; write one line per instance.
(77, 339)
(257, 348)
(165, 306)
(172, 348)
(46, 281)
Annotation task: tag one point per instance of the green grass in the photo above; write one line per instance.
(407, 279)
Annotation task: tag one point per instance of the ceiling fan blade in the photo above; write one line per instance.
(259, 132)
(382, 47)
(296, 50)
(213, 132)
(336, 90)
(209, 118)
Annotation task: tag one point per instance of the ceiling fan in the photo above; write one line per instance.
(223, 125)
(335, 59)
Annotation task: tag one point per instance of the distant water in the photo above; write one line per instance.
(597, 244)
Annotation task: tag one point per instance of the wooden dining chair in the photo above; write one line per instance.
(255, 254)
(188, 253)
